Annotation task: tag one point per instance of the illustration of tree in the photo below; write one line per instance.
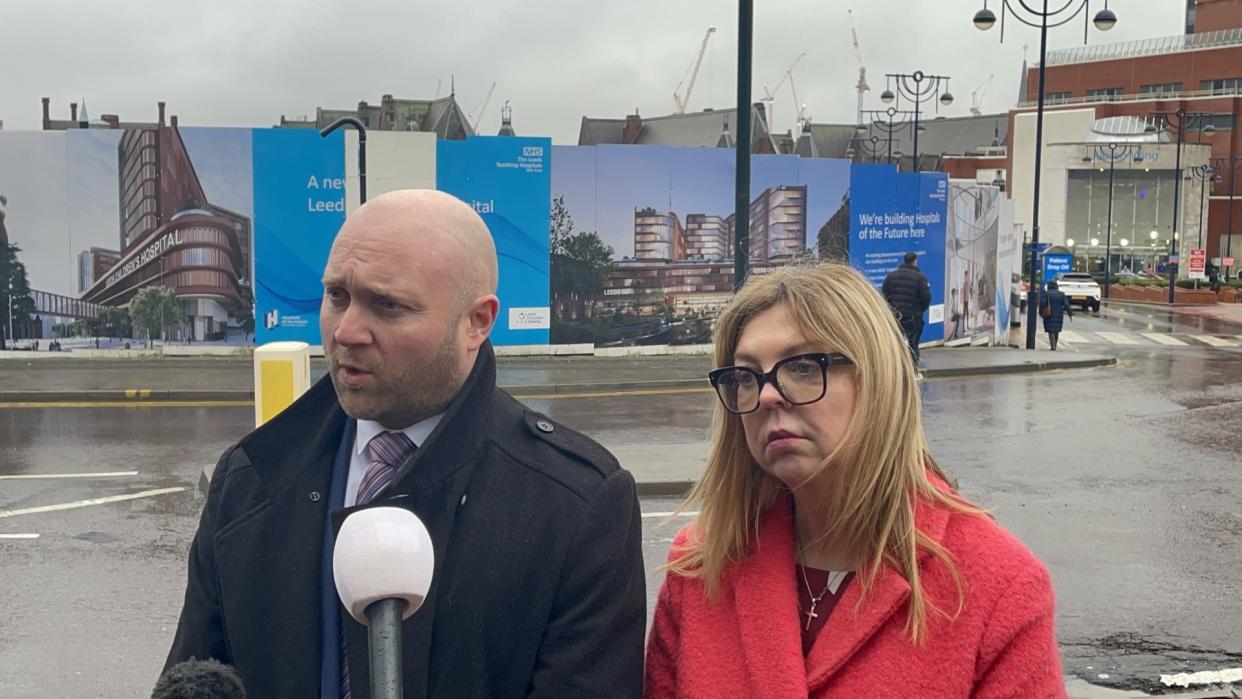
(153, 309)
(114, 322)
(15, 296)
(16, 303)
(587, 260)
(562, 226)
(579, 265)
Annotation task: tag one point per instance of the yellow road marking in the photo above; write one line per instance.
(133, 406)
(511, 389)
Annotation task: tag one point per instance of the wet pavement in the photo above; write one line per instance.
(1124, 480)
(232, 378)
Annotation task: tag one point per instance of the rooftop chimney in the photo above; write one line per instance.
(47, 113)
(633, 124)
(73, 111)
(161, 105)
(173, 121)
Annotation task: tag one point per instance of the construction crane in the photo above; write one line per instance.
(474, 121)
(769, 95)
(799, 108)
(693, 73)
(976, 97)
(862, 85)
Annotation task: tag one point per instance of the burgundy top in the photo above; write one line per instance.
(818, 580)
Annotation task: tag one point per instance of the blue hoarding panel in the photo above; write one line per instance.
(299, 205)
(508, 182)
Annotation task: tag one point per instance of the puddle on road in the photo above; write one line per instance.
(98, 538)
(1132, 661)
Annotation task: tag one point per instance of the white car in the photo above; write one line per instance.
(1081, 289)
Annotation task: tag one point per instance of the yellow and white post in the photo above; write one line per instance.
(281, 375)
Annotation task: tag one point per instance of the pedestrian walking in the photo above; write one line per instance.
(908, 293)
(831, 556)
(1053, 307)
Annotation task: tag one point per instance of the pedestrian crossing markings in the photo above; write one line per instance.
(1148, 339)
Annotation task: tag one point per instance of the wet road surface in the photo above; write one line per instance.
(1124, 480)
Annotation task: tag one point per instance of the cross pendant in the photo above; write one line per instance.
(810, 614)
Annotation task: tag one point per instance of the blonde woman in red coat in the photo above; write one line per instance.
(830, 557)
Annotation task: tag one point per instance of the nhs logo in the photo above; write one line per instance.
(271, 319)
(532, 151)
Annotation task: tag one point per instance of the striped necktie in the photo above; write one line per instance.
(386, 451)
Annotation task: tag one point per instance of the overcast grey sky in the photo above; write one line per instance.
(246, 62)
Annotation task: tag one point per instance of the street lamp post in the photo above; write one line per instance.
(362, 150)
(1112, 152)
(1044, 19)
(910, 86)
(9, 285)
(1179, 120)
(884, 121)
(868, 148)
(741, 191)
(1229, 165)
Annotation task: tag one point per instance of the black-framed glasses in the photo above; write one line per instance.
(800, 379)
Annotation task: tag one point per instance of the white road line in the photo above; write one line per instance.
(691, 513)
(1072, 337)
(1118, 338)
(1164, 339)
(1187, 679)
(37, 476)
(19, 536)
(89, 503)
(1215, 341)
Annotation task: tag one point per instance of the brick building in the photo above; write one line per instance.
(1090, 87)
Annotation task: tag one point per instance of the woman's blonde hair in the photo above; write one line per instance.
(870, 483)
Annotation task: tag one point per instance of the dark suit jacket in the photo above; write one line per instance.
(538, 587)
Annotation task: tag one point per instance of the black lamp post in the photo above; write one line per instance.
(741, 191)
(917, 87)
(1229, 165)
(889, 122)
(864, 149)
(1179, 121)
(1043, 19)
(1112, 153)
(362, 150)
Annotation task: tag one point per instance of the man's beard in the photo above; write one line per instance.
(421, 390)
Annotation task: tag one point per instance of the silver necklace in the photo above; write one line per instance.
(815, 599)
